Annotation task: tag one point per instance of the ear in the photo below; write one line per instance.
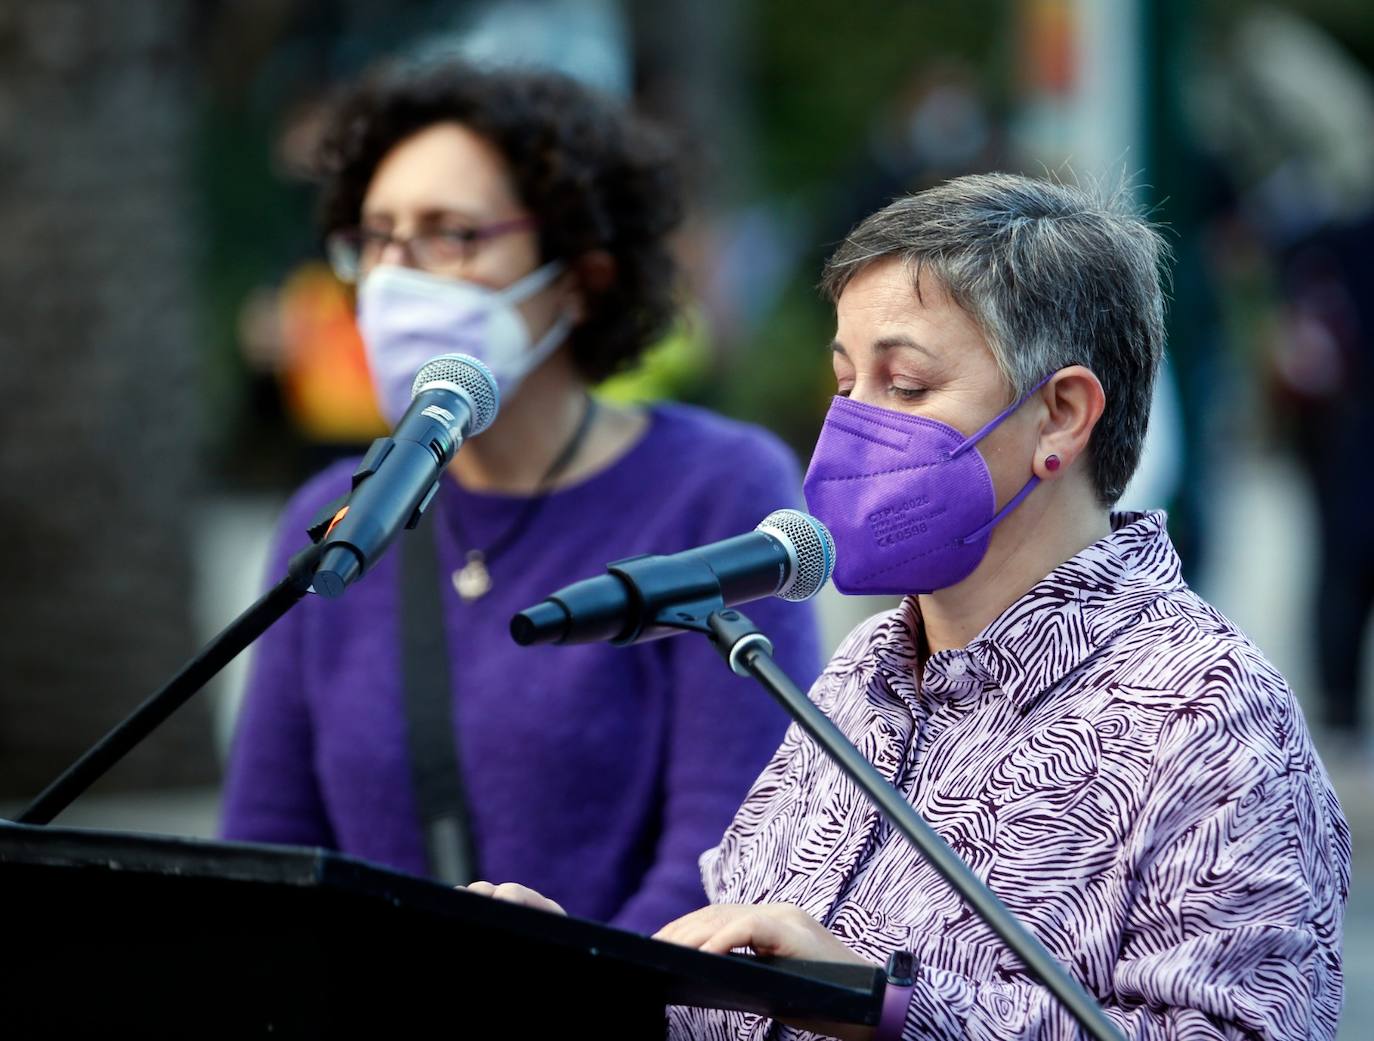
(591, 274)
(1074, 401)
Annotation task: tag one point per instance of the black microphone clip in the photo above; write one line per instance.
(655, 595)
(453, 396)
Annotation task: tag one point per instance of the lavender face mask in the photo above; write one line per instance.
(408, 317)
(909, 500)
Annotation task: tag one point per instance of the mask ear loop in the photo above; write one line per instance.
(521, 290)
(982, 532)
(535, 282)
(1026, 488)
(558, 332)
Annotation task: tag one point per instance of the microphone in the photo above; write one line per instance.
(453, 397)
(790, 554)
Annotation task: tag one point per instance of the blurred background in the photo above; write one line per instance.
(177, 357)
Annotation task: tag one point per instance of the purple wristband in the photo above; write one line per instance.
(901, 980)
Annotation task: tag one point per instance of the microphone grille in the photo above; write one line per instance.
(810, 543)
(473, 380)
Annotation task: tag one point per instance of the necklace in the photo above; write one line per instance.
(473, 580)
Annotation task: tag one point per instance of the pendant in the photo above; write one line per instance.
(472, 580)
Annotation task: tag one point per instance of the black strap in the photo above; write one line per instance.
(431, 737)
(539, 496)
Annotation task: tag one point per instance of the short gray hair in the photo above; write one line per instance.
(1052, 274)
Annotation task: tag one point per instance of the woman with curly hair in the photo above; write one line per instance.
(523, 219)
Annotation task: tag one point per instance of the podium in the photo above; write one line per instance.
(112, 934)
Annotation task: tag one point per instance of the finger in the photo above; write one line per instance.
(480, 888)
(758, 930)
(515, 893)
(546, 904)
(688, 934)
(713, 936)
(691, 929)
(678, 927)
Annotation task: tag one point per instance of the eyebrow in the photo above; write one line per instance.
(429, 215)
(886, 343)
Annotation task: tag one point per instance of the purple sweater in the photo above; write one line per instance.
(595, 774)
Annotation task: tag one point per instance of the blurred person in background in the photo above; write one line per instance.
(523, 219)
(1292, 113)
(1324, 378)
(1105, 750)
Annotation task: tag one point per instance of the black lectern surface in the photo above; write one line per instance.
(160, 936)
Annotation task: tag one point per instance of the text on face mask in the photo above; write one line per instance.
(899, 521)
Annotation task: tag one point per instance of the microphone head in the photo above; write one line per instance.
(472, 380)
(811, 547)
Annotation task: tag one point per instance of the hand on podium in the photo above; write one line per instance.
(515, 893)
(770, 930)
(773, 930)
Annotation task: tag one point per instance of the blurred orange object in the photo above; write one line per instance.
(1049, 56)
(324, 374)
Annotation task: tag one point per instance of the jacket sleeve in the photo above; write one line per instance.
(1234, 932)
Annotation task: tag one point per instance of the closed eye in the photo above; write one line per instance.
(463, 236)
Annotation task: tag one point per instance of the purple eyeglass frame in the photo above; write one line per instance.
(345, 257)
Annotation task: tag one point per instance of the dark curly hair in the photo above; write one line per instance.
(594, 176)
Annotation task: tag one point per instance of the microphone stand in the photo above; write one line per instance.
(125, 735)
(345, 564)
(749, 653)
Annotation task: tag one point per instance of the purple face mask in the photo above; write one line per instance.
(909, 500)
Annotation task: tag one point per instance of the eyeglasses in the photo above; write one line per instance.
(353, 252)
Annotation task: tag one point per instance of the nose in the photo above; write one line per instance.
(396, 251)
(868, 392)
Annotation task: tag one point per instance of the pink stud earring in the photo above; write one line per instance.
(1051, 463)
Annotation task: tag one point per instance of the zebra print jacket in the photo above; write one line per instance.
(1118, 763)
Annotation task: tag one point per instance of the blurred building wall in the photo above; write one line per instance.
(98, 396)
(1082, 106)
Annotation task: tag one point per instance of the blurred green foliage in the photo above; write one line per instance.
(820, 70)
(821, 75)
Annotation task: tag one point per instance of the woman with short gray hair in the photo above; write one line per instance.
(1108, 753)
(1111, 756)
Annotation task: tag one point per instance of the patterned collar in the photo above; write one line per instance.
(1053, 628)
